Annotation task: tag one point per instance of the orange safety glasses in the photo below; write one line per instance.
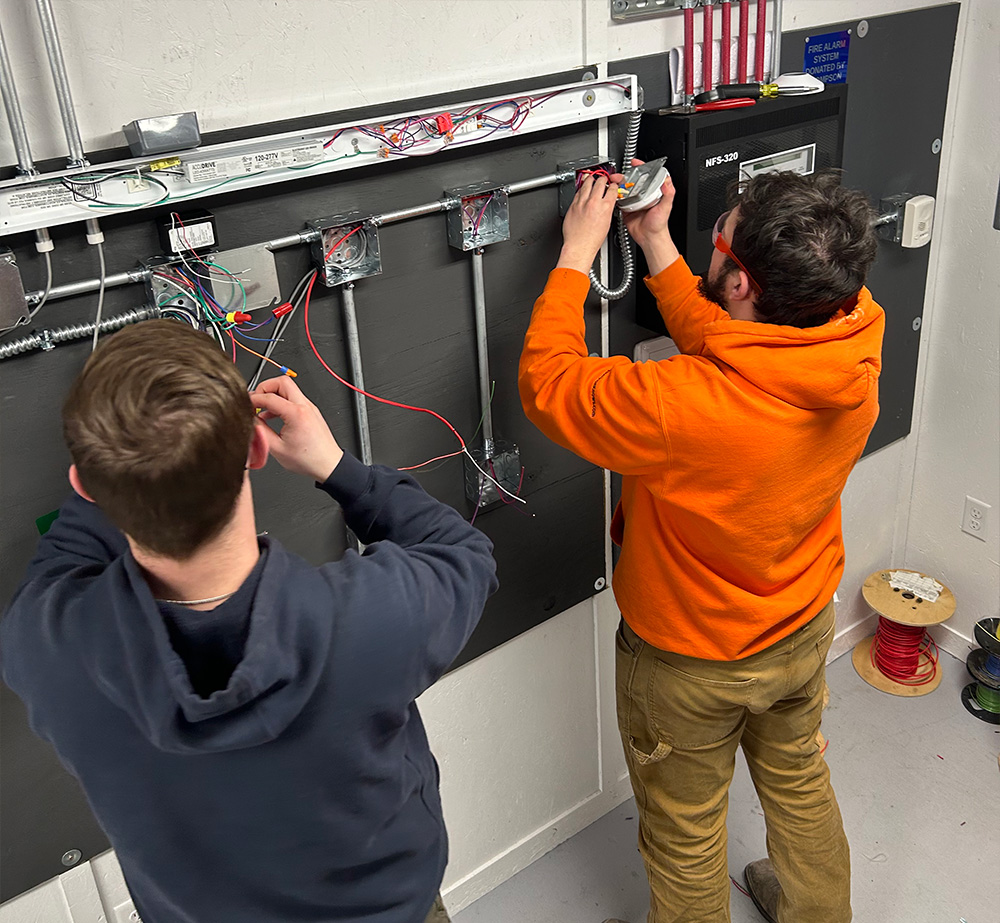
(720, 244)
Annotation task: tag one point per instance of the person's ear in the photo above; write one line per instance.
(740, 287)
(77, 485)
(257, 455)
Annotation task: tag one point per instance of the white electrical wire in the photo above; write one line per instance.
(490, 477)
(100, 296)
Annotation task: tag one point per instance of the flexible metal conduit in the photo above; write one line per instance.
(624, 241)
(48, 339)
(25, 162)
(58, 65)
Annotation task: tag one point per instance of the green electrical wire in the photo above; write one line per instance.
(493, 387)
(988, 699)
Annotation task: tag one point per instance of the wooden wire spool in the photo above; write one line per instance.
(920, 674)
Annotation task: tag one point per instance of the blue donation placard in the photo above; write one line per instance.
(826, 56)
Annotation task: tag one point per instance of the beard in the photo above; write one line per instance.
(713, 290)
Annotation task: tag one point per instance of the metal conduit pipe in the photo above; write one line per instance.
(58, 66)
(357, 375)
(776, 40)
(624, 241)
(25, 162)
(49, 339)
(85, 286)
(482, 349)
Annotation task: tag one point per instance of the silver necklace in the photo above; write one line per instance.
(197, 602)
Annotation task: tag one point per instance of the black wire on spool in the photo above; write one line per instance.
(982, 698)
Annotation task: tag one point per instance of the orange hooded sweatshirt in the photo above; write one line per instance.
(734, 456)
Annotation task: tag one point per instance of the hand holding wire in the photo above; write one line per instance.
(304, 444)
(588, 221)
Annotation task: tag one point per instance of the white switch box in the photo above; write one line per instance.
(918, 221)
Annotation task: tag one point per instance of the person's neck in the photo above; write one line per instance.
(218, 567)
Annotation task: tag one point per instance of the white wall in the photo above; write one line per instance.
(526, 735)
(957, 430)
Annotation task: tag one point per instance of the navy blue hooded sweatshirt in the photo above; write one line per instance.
(263, 761)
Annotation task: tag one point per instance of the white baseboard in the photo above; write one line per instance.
(845, 640)
(951, 641)
(497, 870)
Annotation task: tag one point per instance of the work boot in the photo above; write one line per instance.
(764, 889)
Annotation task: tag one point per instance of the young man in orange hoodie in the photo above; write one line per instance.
(734, 455)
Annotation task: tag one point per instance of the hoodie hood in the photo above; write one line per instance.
(833, 366)
(284, 651)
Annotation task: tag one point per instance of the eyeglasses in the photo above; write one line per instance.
(719, 242)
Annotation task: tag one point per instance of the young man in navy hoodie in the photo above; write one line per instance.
(243, 723)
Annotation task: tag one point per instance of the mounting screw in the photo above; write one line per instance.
(620, 6)
(862, 28)
(46, 338)
(589, 98)
(916, 323)
(589, 75)
(600, 583)
(936, 146)
(71, 857)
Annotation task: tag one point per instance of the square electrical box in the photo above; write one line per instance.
(502, 461)
(709, 152)
(163, 134)
(164, 289)
(481, 216)
(12, 306)
(575, 171)
(346, 249)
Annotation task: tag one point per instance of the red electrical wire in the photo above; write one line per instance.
(431, 461)
(689, 51)
(743, 42)
(726, 74)
(329, 252)
(897, 651)
(707, 46)
(374, 397)
(759, 38)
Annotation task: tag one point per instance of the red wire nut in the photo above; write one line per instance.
(282, 309)
(445, 125)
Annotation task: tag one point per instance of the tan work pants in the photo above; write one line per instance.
(438, 914)
(681, 720)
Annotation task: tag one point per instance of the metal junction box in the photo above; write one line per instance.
(480, 217)
(346, 249)
(709, 152)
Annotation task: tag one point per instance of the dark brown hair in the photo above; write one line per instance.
(158, 424)
(807, 241)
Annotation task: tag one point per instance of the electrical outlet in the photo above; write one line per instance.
(976, 518)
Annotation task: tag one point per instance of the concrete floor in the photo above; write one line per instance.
(917, 783)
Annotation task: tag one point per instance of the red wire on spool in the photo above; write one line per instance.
(759, 38)
(743, 42)
(727, 41)
(897, 651)
(688, 52)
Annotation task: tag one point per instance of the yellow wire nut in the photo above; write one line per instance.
(164, 164)
(231, 317)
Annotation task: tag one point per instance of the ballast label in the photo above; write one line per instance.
(201, 171)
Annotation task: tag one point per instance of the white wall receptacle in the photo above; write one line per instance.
(125, 912)
(976, 518)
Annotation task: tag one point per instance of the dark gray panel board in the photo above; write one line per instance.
(898, 75)
(418, 340)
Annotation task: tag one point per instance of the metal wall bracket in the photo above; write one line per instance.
(627, 10)
(11, 291)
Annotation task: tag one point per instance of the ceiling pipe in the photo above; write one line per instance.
(57, 63)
